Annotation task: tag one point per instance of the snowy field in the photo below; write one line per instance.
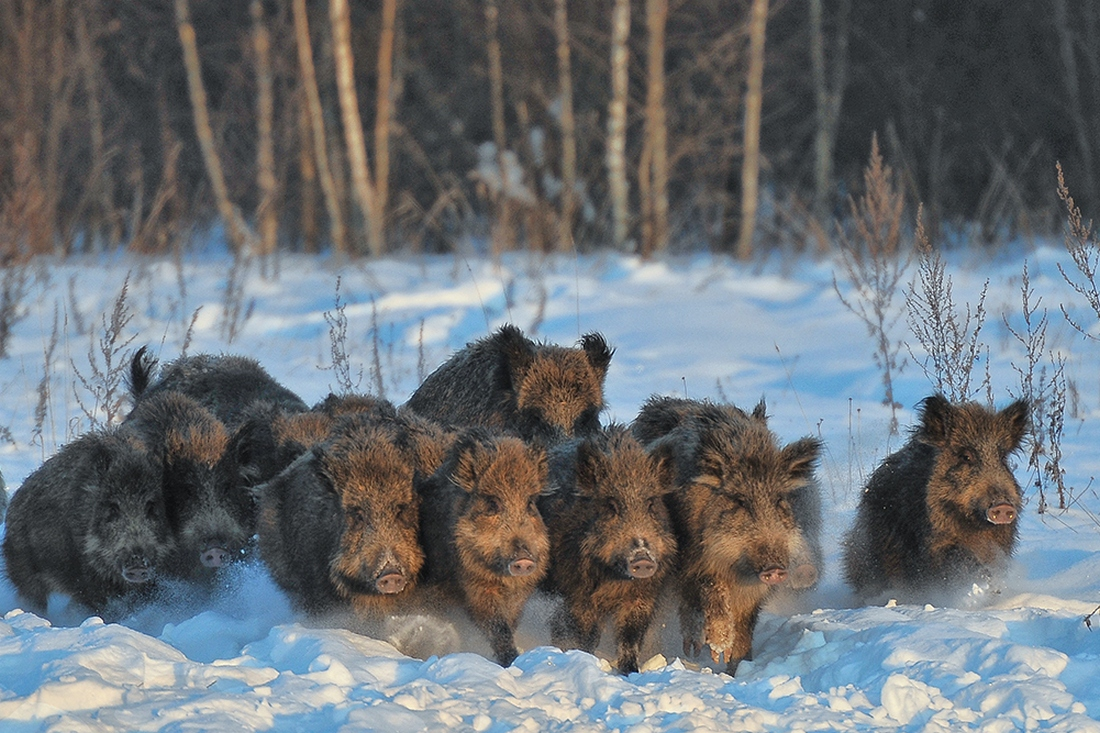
(1018, 657)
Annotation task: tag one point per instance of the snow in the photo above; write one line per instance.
(1015, 656)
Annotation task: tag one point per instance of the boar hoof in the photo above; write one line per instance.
(773, 576)
(521, 566)
(390, 583)
(643, 568)
(1001, 514)
(214, 557)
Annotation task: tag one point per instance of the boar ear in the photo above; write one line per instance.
(465, 472)
(760, 412)
(518, 353)
(935, 420)
(665, 466)
(542, 465)
(598, 352)
(801, 457)
(590, 468)
(1016, 416)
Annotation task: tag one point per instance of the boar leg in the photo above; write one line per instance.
(630, 629)
(501, 639)
(727, 625)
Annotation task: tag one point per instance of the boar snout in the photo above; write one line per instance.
(641, 563)
(773, 576)
(137, 569)
(390, 580)
(214, 557)
(1001, 514)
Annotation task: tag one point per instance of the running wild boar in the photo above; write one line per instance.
(485, 541)
(339, 527)
(734, 514)
(89, 523)
(541, 392)
(941, 512)
(611, 541)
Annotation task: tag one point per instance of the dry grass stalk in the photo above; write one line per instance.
(1084, 251)
(337, 321)
(108, 365)
(874, 264)
(949, 338)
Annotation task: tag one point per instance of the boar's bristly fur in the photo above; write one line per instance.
(940, 513)
(89, 523)
(541, 392)
(485, 541)
(611, 541)
(339, 527)
(734, 514)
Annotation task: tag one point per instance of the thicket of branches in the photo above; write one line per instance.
(377, 125)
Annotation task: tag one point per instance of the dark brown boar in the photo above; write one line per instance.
(485, 541)
(611, 541)
(211, 522)
(225, 384)
(940, 513)
(733, 512)
(339, 527)
(541, 392)
(89, 523)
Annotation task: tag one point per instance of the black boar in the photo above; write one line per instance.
(89, 523)
(611, 541)
(940, 513)
(339, 527)
(505, 381)
(225, 384)
(211, 522)
(485, 541)
(733, 511)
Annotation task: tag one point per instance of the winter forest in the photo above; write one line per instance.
(375, 126)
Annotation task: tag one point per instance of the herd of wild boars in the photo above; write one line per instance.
(494, 481)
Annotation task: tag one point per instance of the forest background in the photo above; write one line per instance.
(364, 127)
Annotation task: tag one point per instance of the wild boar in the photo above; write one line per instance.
(541, 392)
(940, 513)
(485, 542)
(611, 541)
(90, 523)
(733, 512)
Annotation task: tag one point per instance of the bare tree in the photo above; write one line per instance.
(504, 237)
(616, 123)
(653, 173)
(240, 237)
(317, 128)
(383, 119)
(829, 81)
(568, 129)
(1072, 80)
(754, 103)
(266, 215)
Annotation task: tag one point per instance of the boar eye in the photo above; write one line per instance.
(613, 507)
(532, 507)
(405, 515)
(113, 510)
(653, 505)
(356, 514)
(967, 457)
(151, 509)
(738, 502)
(492, 506)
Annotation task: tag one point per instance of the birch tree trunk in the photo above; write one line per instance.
(384, 112)
(828, 95)
(266, 216)
(317, 128)
(754, 102)
(239, 236)
(616, 124)
(568, 130)
(504, 237)
(340, 15)
(655, 160)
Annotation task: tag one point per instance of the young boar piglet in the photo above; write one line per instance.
(611, 541)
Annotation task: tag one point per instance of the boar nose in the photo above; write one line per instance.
(773, 576)
(214, 557)
(1001, 514)
(390, 581)
(521, 563)
(137, 569)
(641, 563)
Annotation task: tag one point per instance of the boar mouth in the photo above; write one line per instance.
(388, 581)
(1003, 513)
(774, 575)
(137, 570)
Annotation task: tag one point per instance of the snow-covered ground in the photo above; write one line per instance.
(1019, 657)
